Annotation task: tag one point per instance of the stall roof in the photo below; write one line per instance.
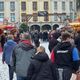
(6, 27)
(74, 23)
(2, 26)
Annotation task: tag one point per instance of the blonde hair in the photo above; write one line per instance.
(40, 49)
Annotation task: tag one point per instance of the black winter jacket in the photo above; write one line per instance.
(63, 56)
(52, 43)
(41, 68)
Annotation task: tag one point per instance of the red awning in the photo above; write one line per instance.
(2, 26)
(9, 27)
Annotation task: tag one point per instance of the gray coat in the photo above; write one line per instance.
(21, 58)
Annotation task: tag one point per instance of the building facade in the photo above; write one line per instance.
(35, 12)
(78, 8)
(59, 11)
(63, 10)
(9, 10)
(38, 12)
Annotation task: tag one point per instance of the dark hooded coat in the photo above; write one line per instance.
(22, 54)
(41, 68)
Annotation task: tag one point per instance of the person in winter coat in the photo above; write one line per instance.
(3, 40)
(36, 39)
(7, 54)
(66, 57)
(41, 67)
(45, 36)
(22, 54)
(53, 40)
(77, 41)
(17, 38)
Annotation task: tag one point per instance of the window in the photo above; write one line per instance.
(34, 6)
(12, 6)
(1, 6)
(71, 15)
(63, 17)
(35, 17)
(63, 6)
(23, 6)
(46, 18)
(55, 18)
(12, 17)
(55, 5)
(45, 5)
(71, 5)
(1, 15)
(23, 15)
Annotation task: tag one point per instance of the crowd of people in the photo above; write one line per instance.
(31, 62)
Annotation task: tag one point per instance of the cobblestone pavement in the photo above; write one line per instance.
(4, 70)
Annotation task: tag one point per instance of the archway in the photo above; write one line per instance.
(46, 27)
(35, 27)
(55, 26)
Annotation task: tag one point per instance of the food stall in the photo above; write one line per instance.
(2, 28)
(7, 28)
(75, 26)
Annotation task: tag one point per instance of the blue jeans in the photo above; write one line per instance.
(21, 78)
(11, 72)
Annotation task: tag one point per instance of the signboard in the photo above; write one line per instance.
(42, 13)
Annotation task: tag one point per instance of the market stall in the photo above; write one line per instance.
(9, 27)
(1, 31)
(1, 28)
(75, 26)
(6, 28)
